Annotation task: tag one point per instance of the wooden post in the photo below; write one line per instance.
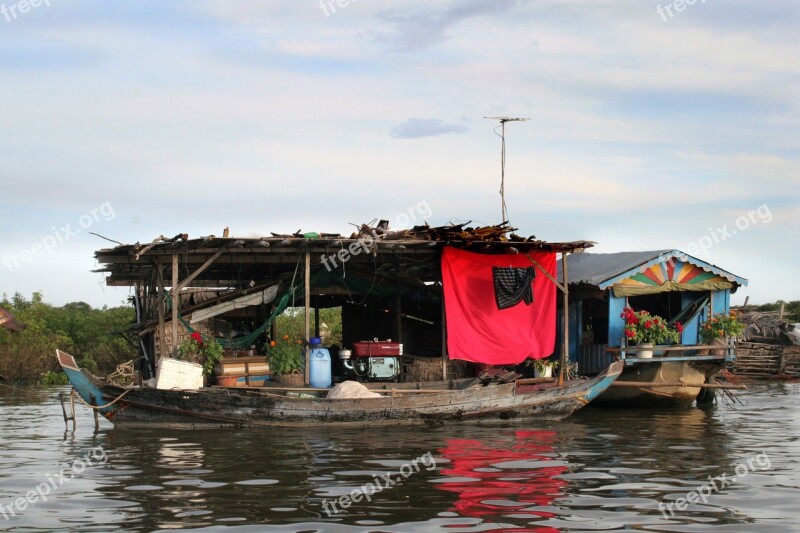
(783, 305)
(308, 312)
(565, 304)
(161, 308)
(176, 302)
(444, 340)
(746, 301)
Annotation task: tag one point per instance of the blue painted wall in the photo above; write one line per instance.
(616, 326)
(575, 328)
(720, 301)
(691, 328)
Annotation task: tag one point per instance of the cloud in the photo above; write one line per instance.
(413, 31)
(415, 128)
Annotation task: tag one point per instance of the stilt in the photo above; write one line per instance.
(71, 416)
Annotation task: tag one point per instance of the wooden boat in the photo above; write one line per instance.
(406, 403)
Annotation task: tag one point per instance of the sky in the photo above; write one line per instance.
(652, 125)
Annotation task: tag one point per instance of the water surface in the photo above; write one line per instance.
(599, 470)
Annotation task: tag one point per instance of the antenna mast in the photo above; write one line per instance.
(502, 135)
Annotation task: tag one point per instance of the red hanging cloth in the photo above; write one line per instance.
(477, 330)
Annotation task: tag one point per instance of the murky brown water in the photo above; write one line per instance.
(596, 471)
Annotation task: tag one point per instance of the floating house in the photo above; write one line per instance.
(431, 290)
(668, 283)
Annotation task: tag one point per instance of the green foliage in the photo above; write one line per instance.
(285, 355)
(53, 378)
(292, 322)
(541, 365)
(721, 326)
(87, 333)
(202, 351)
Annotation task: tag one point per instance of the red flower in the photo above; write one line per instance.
(629, 333)
(197, 337)
(679, 327)
(648, 324)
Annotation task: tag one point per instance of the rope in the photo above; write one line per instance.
(122, 376)
(98, 407)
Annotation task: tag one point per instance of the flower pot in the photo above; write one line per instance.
(546, 372)
(723, 343)
(644, 350)
(227, 381)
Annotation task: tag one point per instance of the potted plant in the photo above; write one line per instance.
(647, 330)
(286, 360)
(204, 352)
(544, 368)
(719, 329)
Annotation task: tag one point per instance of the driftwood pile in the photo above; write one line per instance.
(767, 327)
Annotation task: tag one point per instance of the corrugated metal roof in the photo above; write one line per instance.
(603, 270)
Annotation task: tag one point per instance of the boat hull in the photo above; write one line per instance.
(692, 373)
(224, 407)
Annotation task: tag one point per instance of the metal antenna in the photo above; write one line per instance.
(502, 135)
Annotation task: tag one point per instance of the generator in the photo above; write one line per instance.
(373, 360)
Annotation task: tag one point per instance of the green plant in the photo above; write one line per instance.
(53, 378)
(720, 326)
(541, 365)
(197, 350)
(285, 355)
(571, 371)
(642, 327)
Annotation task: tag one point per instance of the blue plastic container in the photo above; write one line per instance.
(320, 370)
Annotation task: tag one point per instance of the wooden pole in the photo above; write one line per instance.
(444, 340)
(565, 305)
(161, 308)
(176, 302)
(647, 384)
(308, 313)
(783, 305)
(197, 272)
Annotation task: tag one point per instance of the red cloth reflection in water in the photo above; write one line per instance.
(527, 486)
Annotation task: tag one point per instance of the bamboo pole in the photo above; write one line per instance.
(307, 297)
(647, 384)
(176, 301)
(197, 272)
(565, 299)
(444, 340)
(161, 308)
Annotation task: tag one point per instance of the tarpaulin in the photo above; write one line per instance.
(477, 330)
